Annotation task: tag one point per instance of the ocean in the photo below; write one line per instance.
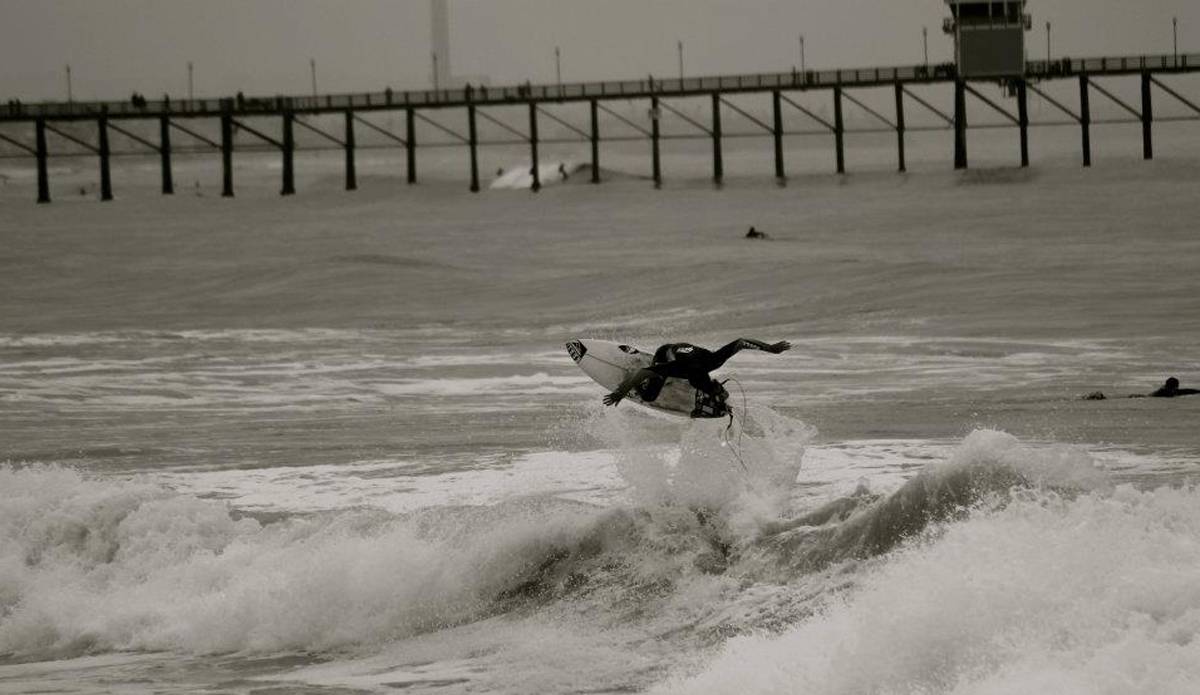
(333, 443)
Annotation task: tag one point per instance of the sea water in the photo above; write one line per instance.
(333, 443)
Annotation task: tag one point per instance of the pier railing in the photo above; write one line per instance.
(579, 91)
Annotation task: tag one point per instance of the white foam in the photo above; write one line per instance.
(1092, 594)
(92, 565)
(550, 172)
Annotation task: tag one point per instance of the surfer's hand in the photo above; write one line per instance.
(779, 347)
(613, 398)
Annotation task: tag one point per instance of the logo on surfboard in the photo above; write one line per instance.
(576, 349)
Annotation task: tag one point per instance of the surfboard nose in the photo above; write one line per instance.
(576, 349)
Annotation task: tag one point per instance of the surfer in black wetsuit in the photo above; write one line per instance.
(687, 361)
(1171, 390)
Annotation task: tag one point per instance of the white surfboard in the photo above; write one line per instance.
(608, 364)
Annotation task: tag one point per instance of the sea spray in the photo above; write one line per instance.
(92, 565)
(1053, 588)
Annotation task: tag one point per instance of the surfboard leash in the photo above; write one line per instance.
(726, 440)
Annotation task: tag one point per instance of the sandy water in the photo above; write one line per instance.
(332, 443)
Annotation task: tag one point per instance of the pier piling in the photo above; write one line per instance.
(43, 176)
(410, 144)
(839, 130)
(1147, 118)
(226, 154)
(718, 160)
(900, 126)
(594, 108)
(289, 146)
(960, 124)
(164, 151)
(473, 142)
(777, 134)
(1023, 121)
(105, 163)
(533, 148)
(656, 162)
(1085, 119)
(351, 171)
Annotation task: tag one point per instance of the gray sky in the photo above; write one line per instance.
(263, 46)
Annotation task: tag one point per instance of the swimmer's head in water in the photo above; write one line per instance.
(1172, 383)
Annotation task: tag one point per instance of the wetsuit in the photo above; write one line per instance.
(691, 362)
(694, 363)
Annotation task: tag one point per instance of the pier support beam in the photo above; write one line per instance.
(351, 171)
(718, 160)
(105, 164)
(410, 144)
(473, 143)
(960, 124)
(1023, 121)
(1147, 118)
(289, 147)
(654, 136)
(777, 134)
(164, 151)
(43, 176)
(595, 142)
(226, 155)
(533, 148)
(839, 130)
(900, 126)
(1085, 119)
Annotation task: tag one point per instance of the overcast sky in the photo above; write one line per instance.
(263, 46)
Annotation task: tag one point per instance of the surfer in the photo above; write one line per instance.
(687, 361)
(1171, 389)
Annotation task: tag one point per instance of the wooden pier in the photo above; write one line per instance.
(538, 100)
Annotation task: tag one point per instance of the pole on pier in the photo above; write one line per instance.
(473, 141)
(900, 126)
(718, 160)
(43, 176)
(164, 150)
(960, 124)
(777, 132)
(226, 153)
(1023, 120)
(595, 142)
(654, 135)
(1085, 119)
(351, 171)
(289, 147)
(1147, 118)
(839, 130)
(105, 168)
(410, 142)
(533, 148)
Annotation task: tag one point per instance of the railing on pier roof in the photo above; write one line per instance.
(517, 94)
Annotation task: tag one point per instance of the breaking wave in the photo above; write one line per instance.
(1005, 567)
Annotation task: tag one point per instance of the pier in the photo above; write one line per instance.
(175, 117)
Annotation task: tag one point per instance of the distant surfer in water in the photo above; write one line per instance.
(687, 361)
(1170, 389)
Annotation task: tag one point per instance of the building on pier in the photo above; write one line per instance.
(989, 37)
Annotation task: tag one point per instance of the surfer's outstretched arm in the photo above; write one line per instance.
(629, 384)
(720, 356)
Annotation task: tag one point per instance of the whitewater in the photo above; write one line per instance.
(334, 443)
